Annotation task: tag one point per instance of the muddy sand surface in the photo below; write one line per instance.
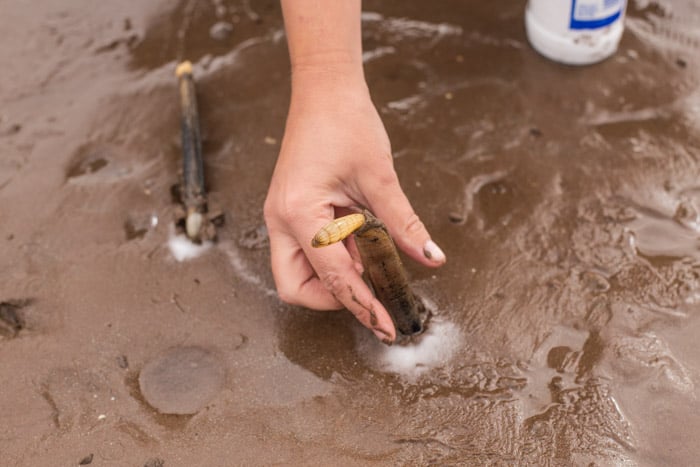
(567, 201)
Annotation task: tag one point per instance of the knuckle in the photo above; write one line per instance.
(284, 207)
(413, 224)
(292, 206)
(386, 178)
(287, 294)
(287, 214)
(334, 283)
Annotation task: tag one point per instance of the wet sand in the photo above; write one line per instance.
(566, 199)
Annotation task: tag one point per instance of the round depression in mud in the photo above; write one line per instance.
(182, 380)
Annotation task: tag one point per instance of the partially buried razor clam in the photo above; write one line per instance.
(199, 221)
(382, 265)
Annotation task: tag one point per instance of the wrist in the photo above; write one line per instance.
(327, 73)
(327, 83)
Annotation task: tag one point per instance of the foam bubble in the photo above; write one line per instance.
(432, 349)
(183, 249)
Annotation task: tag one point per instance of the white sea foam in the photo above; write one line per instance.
(404, 28)
(183, 249)
(379, 52)
(434, 348)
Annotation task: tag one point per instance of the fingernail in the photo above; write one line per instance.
(433, 252)
(381, 334)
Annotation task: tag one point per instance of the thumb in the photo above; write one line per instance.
(388, 202)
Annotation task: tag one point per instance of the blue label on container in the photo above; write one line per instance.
(594, 14)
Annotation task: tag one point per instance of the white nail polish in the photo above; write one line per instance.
(433, 252)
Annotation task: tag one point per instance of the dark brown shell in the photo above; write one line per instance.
(388, 276)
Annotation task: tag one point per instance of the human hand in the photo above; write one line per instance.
(336, 157)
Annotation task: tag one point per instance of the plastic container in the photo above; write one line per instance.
(575, 32)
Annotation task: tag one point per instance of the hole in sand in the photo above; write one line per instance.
(88, 159)
(12, 318)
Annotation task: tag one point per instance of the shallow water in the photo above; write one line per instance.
(566, 199)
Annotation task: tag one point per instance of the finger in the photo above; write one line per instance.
(350, 242)
(295, 279)
(354, 254)
(338, 273)
(388, 202)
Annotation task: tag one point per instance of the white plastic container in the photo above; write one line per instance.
(575, 32)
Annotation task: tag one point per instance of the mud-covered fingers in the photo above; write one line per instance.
(339, 274)
(325, 279)
(295, 279)
(345, 284)
(388, 202)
